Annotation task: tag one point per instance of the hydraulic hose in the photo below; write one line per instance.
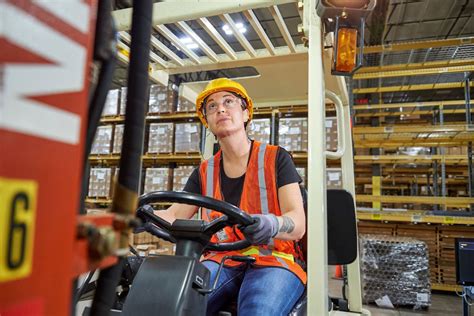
(125, 197)
(105, 54)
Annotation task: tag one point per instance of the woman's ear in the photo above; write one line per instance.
(246, 115)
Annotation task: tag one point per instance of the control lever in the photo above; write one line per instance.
(247, 259)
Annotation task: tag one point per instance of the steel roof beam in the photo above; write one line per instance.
(177, 42)
(206, 49)
(214, 34)
(153, 57)
(260, 31)
(238, 35)
(165, 50)
(282, 27)
(172, 11)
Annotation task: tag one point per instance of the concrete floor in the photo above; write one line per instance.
(442, 303)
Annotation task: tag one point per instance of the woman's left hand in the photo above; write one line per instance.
(262, 230)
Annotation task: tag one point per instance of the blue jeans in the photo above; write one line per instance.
(261, 291)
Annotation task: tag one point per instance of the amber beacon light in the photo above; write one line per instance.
(349, 17)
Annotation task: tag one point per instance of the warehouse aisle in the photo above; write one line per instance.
(442, 303)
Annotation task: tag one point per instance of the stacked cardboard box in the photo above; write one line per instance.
(259, 130)
(293, 134)
(164, 248)
(395, 268)
(459, 150)
(111, 103)
(362, 152)
(366, 227)
(102, 140)
(180, 176)
(187, 137)
(333, 178)
(123, 100)
(161, 99)
(447, 259)
(331, 133)
(156, 179)
(184, 105)
(160, 138)
(118, 138)
(99, 182)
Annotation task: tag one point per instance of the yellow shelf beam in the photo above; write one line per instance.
(413, 143)
(409, 114)
(460, 128)
(414, 217)
(446, 287)
(165, 158)
(152, 117)
(396, 180)
(416, 66)
(404, 159)
(171, 116)
(193, 115)
(396, 47)
(431, 200)
(413, 72)
(159, 158)
(104, 200)
(104, 159)
(409, 105)
(415, 87)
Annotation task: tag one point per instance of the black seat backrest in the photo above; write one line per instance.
(341, 227)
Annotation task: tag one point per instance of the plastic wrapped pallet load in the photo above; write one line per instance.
(160, 138)
(259, 130)
(156, 179)
(293, 134)
(180, 176)
(102, 140)
(118, 138)
(111, 103)
(395, 270)
(187, 137)
(99, 182)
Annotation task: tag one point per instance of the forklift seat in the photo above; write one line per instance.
(342, 235)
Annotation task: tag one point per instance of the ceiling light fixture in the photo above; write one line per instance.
(240, 26)
(189, 42)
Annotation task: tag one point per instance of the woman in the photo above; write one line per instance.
(261, 180)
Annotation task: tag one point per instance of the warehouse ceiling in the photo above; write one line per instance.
(441, 49)
(416, 21)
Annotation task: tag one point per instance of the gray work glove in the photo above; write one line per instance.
(262, 230)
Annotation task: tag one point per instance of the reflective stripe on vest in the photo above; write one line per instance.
(261, 179)
(210, 183)
(262, 184)
(259, 251)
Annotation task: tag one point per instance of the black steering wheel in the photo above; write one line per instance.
(163, 229)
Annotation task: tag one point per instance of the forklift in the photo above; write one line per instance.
(57, 67)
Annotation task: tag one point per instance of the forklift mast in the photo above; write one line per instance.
(44, 92)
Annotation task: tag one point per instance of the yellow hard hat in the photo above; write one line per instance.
(222, 84)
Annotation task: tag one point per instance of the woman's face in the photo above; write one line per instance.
(224, 114)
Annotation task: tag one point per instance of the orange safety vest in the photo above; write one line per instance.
(259, 196)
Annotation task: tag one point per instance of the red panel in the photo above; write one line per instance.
(56, 167)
